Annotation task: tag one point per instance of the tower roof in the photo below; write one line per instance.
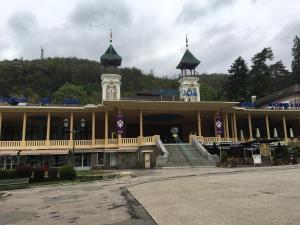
(188, 61)
(111, 57)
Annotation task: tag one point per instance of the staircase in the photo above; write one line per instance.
(185, 155)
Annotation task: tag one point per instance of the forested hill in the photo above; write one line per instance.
(59, 78)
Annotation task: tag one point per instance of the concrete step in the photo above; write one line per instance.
(185, 155)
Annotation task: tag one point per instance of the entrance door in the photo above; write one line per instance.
(113, 159)
(147, 160)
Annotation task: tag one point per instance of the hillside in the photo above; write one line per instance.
(59, 78)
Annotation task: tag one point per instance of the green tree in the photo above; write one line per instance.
(236, 88)
(260, 73)
(296, 60)
(71, 91)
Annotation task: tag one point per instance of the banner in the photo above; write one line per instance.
(219, 125)
(120, 123)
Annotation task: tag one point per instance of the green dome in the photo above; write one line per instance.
(111, 57)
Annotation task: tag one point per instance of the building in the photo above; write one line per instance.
(124, 133)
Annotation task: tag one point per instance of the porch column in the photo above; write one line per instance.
(199, 124)
(24, 126)
(106, 128)
(224, 126)
(232, 129)
(119, 135)
(227, 126)
(0, 123)
(268, 127)
(141, 123)
(93, 128)
(234, 123)
(71, 126)
(250, 127)
(48, 128)
(284, 127)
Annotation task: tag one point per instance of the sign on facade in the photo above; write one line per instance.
(219, 125)
(256, 159)
(120, 123)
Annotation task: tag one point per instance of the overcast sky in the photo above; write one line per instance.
(150, 34)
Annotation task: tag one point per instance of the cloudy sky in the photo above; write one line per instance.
(150, 34)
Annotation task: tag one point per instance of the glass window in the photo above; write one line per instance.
(86, 159)
(100, 158)
(2, 161)
(78, 160)
(58, 160)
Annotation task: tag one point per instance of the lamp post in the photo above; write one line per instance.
(74, 132)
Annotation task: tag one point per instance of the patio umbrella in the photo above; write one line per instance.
(291, 133)
(275, 133)
(257, 133)
(242, 135)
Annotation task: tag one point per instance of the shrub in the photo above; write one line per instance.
(38, 174)
(7, 174)
(23, 172)
(52, 173)
(67, 172)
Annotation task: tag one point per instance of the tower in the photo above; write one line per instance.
(189, 86)
(111, 83)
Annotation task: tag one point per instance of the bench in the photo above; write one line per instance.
(14, 183)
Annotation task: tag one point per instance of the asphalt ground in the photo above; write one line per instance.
(202, 195)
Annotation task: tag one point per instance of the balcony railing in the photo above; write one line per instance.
(78, 144)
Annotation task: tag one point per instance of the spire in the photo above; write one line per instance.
(188, 61)
(186, 41)
(42, 52)
(110, 57)
(110, 36)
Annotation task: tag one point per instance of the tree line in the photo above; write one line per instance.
(263, 77)
(60, 78)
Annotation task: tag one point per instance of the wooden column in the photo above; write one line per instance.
(0, 124)
(232, 127)
(71, 126)
(141, 124)
(48, 128)
(93, 127)
(24, 126)
(250, 127)
(119, 135)
(227, 126)
(106, 128)
(234, 123)
(268, 127)
(199, 124)
(284, 127)
(224, 126)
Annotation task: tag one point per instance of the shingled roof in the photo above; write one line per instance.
(295, 89)
(188, 61)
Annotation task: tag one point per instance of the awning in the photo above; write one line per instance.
(44, 152)
(8, 153)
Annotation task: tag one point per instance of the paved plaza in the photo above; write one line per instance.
(203, 195)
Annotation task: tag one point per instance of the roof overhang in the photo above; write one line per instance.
(168, 105)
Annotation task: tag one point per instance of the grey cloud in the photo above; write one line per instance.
(191, 11)
(22, 23)
(100, 13)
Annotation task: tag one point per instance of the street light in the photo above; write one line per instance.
(74, 132)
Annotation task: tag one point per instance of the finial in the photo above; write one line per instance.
(110, 36)
(186, 41)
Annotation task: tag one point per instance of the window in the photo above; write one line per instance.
(100, 158)
(58, 160)
(82, 159)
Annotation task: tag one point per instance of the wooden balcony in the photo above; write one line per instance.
(78, 144)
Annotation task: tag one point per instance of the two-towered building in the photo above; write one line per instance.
(123, 133)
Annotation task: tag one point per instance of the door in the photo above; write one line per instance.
(147, 160)
(113, 160)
